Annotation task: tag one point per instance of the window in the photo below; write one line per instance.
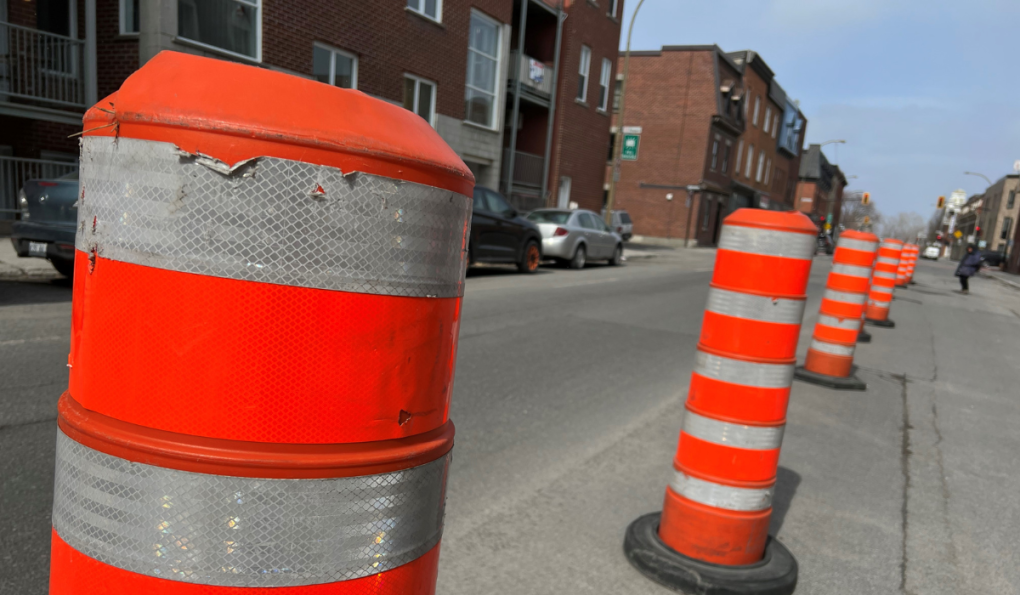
(334, 67)
(482, 71)
(775, 125)
(420, 97)
(768, 170)
(612, 145)
(1012, 197)
(715, 153)
(582, 85)
(761, 167)
(705, 204)
(757, 107)
(768, 118)
(750, 161)
(129, 17)
(432, 9)
(726, 157)
(607, 70)
(617, 92)
(740, 151)
(232, 26)
(614, 5)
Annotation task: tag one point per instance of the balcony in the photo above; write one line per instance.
(535, 75)
(527, 168)
(15, 171)
(41, 72)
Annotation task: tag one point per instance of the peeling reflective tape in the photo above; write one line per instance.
(755, 307)
(851, 270)
(884, 275)
(878, 303)
(731, 434)
(887, 260)
(767, 242)
(862, 245)
(741, 372)
(845, 297)
(243, 532)
(832, 348)
(721, 496)
(849, 324)
(881, 289)
(269, 220)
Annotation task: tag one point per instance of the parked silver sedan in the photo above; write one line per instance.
(577, 236)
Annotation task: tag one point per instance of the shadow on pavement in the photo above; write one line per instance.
(507, 270)
(786, 486)
(42, 291)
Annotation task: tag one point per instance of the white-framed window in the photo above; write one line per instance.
(750, 161)
(607, 70)
(614, 6)
(420, 97)
(740, 151)
(768, 118)
(582, 84)
(761, 167)
(432, 9)
(230, 26)
(768, 170)
(726, 157)
(715, 154)
(775, 125)
(480, 98)
(757, 107)
(334, 67)
(129, 17)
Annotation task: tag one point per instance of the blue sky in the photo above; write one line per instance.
(921, 90)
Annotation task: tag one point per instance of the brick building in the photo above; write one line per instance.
(449, 61)
(988, 219)
(705, 118)
(820, 188)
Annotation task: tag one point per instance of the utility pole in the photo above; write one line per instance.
(618, 141)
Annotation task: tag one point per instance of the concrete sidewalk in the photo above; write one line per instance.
(14, 267)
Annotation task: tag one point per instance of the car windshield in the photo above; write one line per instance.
(557, 217)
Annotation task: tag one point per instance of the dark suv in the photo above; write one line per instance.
(49, 215)
(500, 235)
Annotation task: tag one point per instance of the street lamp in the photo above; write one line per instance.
(618, 141)
(832, 142)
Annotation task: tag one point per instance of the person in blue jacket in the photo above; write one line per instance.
(970, 264)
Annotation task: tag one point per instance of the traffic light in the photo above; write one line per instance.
(866, 198)
(942, 202)
(977, 231)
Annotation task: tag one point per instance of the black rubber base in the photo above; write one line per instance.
(881, 323)
(776, 574)
(864, 336)
(849, 383)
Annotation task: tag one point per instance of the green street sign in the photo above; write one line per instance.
(630, 147)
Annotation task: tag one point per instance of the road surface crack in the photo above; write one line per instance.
(905, 469)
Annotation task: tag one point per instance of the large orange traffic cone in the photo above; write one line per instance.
(883, 283)
(712, 534)
(266, 301)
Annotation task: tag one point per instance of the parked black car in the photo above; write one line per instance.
(500, 235)
(49, 215)
(992, 258)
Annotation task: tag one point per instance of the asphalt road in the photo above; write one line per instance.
(568, 400)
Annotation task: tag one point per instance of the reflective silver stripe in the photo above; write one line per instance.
(851, 270)
(845, 297)
(887, 260)
(731, 434)
(243, 532)
(755, 307)
(721, 496)
(884, 275)
(832, 348)
(881, 289)
(270, 220)
(862, 245)
(767, 242)
(892, 244)
(744, 373)
(880, 303)
(849, 324)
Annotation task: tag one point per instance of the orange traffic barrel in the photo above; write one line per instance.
(901, 268)
(830, 357)
(713, 529)
(265, 315)
(915, 252)
(883, 282)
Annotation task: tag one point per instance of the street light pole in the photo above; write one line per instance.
(618, 141)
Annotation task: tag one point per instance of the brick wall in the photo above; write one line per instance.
(764, 143)
(116, 55)
(581, 132)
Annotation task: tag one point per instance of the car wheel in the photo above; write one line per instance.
(580, 256)
(64, 267)
(617, 258)
(530, 257)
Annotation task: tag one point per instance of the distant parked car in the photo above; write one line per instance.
(931, 252)
(992, 258)
(824, 244)
(49, 216)
(623, 225)
(575, 237)
(500, 235)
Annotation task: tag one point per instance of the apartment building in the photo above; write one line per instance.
(711, 119)
(988, 219)
(820, 188)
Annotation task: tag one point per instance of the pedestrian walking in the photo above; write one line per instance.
(970, 264)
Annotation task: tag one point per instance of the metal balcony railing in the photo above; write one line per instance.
(527, 168)
(15, 171)
(533, 73)
(40, 66)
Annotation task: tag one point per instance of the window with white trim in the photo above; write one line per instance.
(740, 151)
(432, 9)
(334, 67)
(420, 97)
(750, 161)
(768, 118)
(614, 6)
(761, 167)
(715, 153)
(231, 26)
(480, 99)
(607, 71)
(757, 107)
(726, 157)
(129, 17)
(775, 125)
(582, 85)
(768, 170)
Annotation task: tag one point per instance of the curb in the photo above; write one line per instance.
(1006, 282)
